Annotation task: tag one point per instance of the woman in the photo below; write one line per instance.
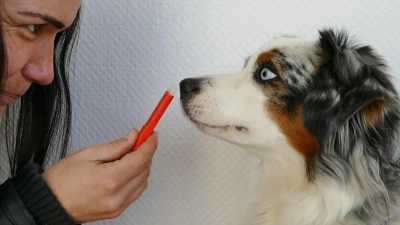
(37, 38)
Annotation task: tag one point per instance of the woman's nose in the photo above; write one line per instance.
(39, 69)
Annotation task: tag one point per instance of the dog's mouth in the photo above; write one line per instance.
(203, 125)
(224, 127)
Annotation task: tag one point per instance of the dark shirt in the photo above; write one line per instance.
(26, 199)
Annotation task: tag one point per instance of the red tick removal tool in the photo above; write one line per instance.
(151, 123)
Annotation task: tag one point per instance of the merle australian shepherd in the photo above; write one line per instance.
(323, 116)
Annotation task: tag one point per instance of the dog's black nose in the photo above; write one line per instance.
(189, 86)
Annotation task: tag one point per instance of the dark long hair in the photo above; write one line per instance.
(38, 126)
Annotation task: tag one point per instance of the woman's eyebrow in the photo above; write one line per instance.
(56, 23)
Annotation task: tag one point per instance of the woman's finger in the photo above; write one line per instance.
(135, 183)
(116, 149)
(135, 163)
(127, 194)
(136, 194)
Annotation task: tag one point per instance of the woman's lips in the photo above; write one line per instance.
(8, 97)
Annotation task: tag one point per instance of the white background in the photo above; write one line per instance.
(131, 51)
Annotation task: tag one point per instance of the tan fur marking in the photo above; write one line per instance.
(373, 111)
(272, 57)
(298, 136)
(265, 56)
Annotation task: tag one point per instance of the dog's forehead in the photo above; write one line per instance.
(290, 43)
(288, 46)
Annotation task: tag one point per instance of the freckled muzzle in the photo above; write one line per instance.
(189, 88)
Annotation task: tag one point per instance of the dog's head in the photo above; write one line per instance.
(303, 93)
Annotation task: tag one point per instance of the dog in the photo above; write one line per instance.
(323, 116)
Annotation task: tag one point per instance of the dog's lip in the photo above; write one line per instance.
(237, 127)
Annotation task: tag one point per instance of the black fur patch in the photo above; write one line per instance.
(337, 108)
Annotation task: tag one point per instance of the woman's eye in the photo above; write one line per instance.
(266, 74)
(33, 28)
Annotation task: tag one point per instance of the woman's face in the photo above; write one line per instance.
(29, 30)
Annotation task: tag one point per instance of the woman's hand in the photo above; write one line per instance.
(100, 182)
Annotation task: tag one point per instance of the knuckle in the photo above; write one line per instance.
(143, 178)
(147, 174)
(145, 185)
(114, 208)
(145, 163)
(155, 144)
(87, 150)
(115, 215)
(114, 143)
(110, 185)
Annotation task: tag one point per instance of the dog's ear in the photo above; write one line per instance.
(349, 81)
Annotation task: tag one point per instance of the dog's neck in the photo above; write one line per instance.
(286, 191)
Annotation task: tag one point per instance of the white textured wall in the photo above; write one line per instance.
(131, 51)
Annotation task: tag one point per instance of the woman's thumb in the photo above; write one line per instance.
(116, 149)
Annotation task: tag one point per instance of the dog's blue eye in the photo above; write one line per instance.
(266, 74)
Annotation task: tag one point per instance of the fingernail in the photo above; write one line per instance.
(129, 134)
(156, 133)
